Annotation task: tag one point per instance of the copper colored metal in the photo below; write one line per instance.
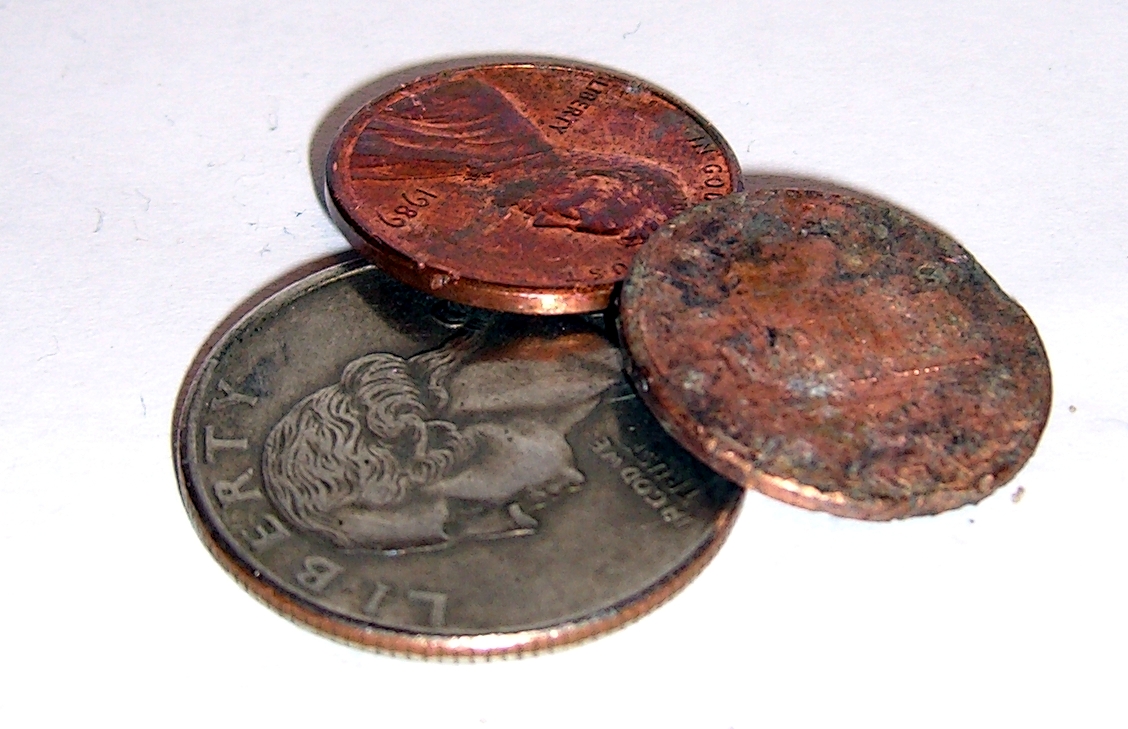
(524, 187)
(834, 353)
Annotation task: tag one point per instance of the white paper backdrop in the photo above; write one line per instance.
(155, 170)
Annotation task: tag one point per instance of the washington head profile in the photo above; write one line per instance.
(411, 452)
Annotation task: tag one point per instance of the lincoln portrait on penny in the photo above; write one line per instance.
(468, 130)
(425, 450)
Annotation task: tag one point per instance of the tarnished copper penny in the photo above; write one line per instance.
(835, 353)
(523, 187)
(415, 476)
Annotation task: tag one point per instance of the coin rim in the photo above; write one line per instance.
(403, 642)
(546, 300)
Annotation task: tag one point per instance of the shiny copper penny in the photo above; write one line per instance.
(834, 353)
(523, 187)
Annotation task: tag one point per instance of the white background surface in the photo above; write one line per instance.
(155, 171)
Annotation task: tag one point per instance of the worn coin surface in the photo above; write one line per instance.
(524, 187)
(835, 353)
(416, 476)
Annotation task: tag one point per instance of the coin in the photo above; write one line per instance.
(523, 187)
(835, 353)
(415, 476)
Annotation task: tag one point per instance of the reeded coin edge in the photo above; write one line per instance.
(464, 648)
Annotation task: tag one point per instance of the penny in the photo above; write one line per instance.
(419, 477)
(523, 187)
(835, 353)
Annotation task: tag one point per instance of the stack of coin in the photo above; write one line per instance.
(412, 455)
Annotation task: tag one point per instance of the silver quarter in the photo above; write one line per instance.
(421, 477)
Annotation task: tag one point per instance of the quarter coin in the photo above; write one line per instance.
(522, 187)
(420, 477)
(835, 353)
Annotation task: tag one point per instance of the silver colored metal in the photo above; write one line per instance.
(421, 477)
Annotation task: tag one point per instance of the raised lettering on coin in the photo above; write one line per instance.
(231, 397)
(438, 479)
(317, 572)
(268, 533)
(228, 492)
(372, 606)
(437, 602)
(213, 443)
